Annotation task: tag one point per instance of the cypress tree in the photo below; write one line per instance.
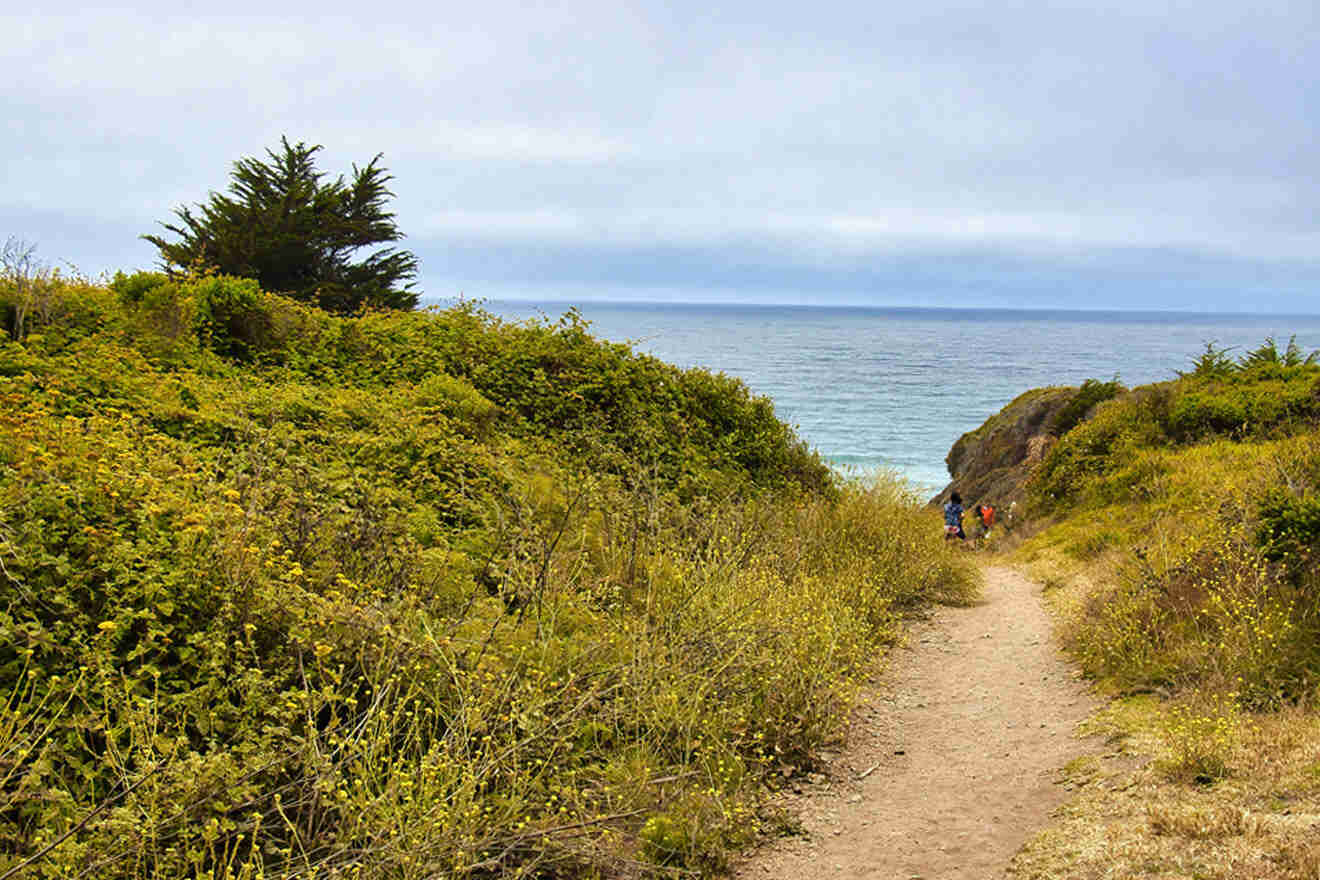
(297, 235)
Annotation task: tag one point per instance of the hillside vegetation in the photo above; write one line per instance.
(409, 594)
(1177, 527)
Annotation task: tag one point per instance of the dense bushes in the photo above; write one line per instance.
(410, 594)
(1091, 393)
(1097, 447)
(1254, 401)
(703, 431)
(1204, 493)
(1210, 615)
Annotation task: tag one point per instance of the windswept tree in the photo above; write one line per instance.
(281, 224)
(1270, 355)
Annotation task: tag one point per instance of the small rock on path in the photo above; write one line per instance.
(963, 738)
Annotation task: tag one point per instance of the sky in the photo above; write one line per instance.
(1044, 154)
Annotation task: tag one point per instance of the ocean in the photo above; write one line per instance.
(893, 388)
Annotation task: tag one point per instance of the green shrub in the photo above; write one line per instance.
(457, 398)
(232, 316)
(1263, 400)
(131, 288)
(1087, 453)
(1202, 413)
(1289, 526)
(1091, 393)
(228, 315)
(1253, 402)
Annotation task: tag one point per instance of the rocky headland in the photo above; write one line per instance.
(994, 461)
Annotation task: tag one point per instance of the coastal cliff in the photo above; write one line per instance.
(994, 461)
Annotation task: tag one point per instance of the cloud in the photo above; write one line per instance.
(440, 139)
(498, 225)
(838, 146)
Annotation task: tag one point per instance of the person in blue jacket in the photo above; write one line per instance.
(953, 513)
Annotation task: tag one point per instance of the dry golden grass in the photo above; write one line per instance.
(1132, 818)
(1213, 764)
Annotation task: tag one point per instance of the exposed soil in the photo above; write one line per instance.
(953, 759)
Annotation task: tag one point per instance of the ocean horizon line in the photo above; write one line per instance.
(1054, 312)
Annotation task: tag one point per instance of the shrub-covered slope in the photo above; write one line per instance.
(1206, 485)
(1177, 528)
(407, 595)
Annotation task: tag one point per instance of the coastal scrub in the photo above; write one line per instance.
(405, 595)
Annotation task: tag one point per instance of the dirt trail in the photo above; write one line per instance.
(962, 739)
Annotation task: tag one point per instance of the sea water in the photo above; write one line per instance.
(893, 388)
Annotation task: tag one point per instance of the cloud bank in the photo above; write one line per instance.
(1055, 154)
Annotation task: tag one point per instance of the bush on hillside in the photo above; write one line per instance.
(1098, 446)
(1249, 402)
(1091, 393)
(1209, 613)
(706, 431)
(1211, 584)
(1289, 526)
(1268, 354)
(1210, 483)
(132, 288)
(1252, 403)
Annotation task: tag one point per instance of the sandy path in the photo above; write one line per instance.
(962, 737)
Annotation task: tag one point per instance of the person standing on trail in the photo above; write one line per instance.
(987, 517)
(953, 513)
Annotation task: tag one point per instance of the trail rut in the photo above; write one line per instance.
(958, 744)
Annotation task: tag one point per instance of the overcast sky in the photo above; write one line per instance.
(1131, 153)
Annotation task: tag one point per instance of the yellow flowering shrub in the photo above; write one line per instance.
(1200, 739)
(410, 595)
